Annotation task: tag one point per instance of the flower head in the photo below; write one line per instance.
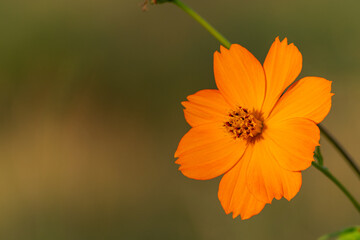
(259, 137)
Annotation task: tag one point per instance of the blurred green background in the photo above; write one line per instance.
(90, 117)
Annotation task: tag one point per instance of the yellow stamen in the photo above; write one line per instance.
(242, 124)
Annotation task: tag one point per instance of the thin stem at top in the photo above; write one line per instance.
(203, 23)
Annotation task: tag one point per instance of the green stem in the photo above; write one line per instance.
(341, 150)
(203, 23)
(327, 173)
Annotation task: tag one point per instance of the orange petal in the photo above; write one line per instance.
(266, 179)
(309, 97)
(239, 77)
(205, 106)
(282, 66)
(207, 151)
(292, 142)
(234, 194)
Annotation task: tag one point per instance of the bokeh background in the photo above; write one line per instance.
(90, 117)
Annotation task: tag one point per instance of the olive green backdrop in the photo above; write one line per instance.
(90, 117)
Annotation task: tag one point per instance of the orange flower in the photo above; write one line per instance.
(247, 130)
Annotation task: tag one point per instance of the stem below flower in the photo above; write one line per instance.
(327, 173)
(342, 151)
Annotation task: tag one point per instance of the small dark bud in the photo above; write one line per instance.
(160, 1)
(146, 3)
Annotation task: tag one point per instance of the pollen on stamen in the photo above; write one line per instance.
(241, 124)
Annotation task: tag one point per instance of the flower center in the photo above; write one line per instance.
(242, 124)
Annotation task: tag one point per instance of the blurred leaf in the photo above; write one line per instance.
(351, 233)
